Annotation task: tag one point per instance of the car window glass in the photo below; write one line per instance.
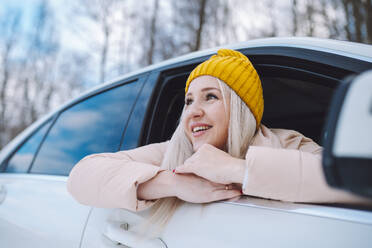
(133, 130)
(307, 116)
(94, 125)
(21, 160)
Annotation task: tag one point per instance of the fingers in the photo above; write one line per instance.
(229, 191)
(232, 186)
(228, 187)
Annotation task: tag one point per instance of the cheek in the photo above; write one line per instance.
(221, 117)
(185, 125)
(221, 120)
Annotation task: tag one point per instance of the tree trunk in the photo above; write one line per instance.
(199, 30)
(358, 20)
(11, 23)
(154, 17)
(3, 100)
(310, 17)
(294, 17)
(106, 36)
(368, 8)
(345, 4)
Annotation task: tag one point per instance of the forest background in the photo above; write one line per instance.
(51, 51)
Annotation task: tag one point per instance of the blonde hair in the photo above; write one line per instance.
(242, 127)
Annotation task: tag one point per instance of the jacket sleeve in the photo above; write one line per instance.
(293, 175)
(110, 180)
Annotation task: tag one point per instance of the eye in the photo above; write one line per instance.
(188, 101)
(211, 96)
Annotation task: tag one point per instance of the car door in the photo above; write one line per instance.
(103, 221)
(35, 208)
(308, 78)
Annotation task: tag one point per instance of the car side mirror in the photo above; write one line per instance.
(347, 155)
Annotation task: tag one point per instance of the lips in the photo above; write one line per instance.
(199, 129)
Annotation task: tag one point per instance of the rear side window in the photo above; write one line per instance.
(22, 159)
(94, 125)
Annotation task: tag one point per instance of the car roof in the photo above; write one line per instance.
(345, 48)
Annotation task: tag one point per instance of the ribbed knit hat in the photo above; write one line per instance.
(235, 69)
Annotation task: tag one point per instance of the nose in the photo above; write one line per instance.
(196, 111)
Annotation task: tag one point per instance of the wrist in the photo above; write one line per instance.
(167, 181)
(239, 167)
(160, 186)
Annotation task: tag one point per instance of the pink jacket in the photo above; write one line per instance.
(281, 165)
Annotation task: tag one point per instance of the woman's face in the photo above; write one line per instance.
(206, 120)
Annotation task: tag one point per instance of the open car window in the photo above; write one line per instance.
(294, 98)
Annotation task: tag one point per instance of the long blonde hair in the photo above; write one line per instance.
(242, 127)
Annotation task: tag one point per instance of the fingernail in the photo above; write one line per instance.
(241, 191)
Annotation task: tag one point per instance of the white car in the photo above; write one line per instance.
(299, 77)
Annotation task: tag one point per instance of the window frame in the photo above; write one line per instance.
(4, 164)
(317, 64)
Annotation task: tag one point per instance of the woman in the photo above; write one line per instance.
(220, 150)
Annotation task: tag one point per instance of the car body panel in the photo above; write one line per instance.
(246, 222)
(37, 211)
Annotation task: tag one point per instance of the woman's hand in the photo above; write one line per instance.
(187, 187)
(214, 165)
(191, 188)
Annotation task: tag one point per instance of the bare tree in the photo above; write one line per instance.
(36, 78)
(331, 24)
(152, 34)
(101, 12)
(368, 8)
(310, 12)
(358, 19)
(38, 65)
(200, 23)
(9, 26)
(294, 17)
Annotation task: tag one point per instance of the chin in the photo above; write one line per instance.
(198, 145)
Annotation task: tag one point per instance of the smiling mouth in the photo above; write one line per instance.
(200, 129)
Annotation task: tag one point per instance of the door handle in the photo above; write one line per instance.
(2, 193)
(121, 234)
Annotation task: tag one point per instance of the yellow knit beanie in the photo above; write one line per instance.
(235, 69)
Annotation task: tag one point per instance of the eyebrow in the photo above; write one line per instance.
(205, 89)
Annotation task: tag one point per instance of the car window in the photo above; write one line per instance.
(94, 125)
(296, 103)
(135, 124)
(21, 160)
(294, 99)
